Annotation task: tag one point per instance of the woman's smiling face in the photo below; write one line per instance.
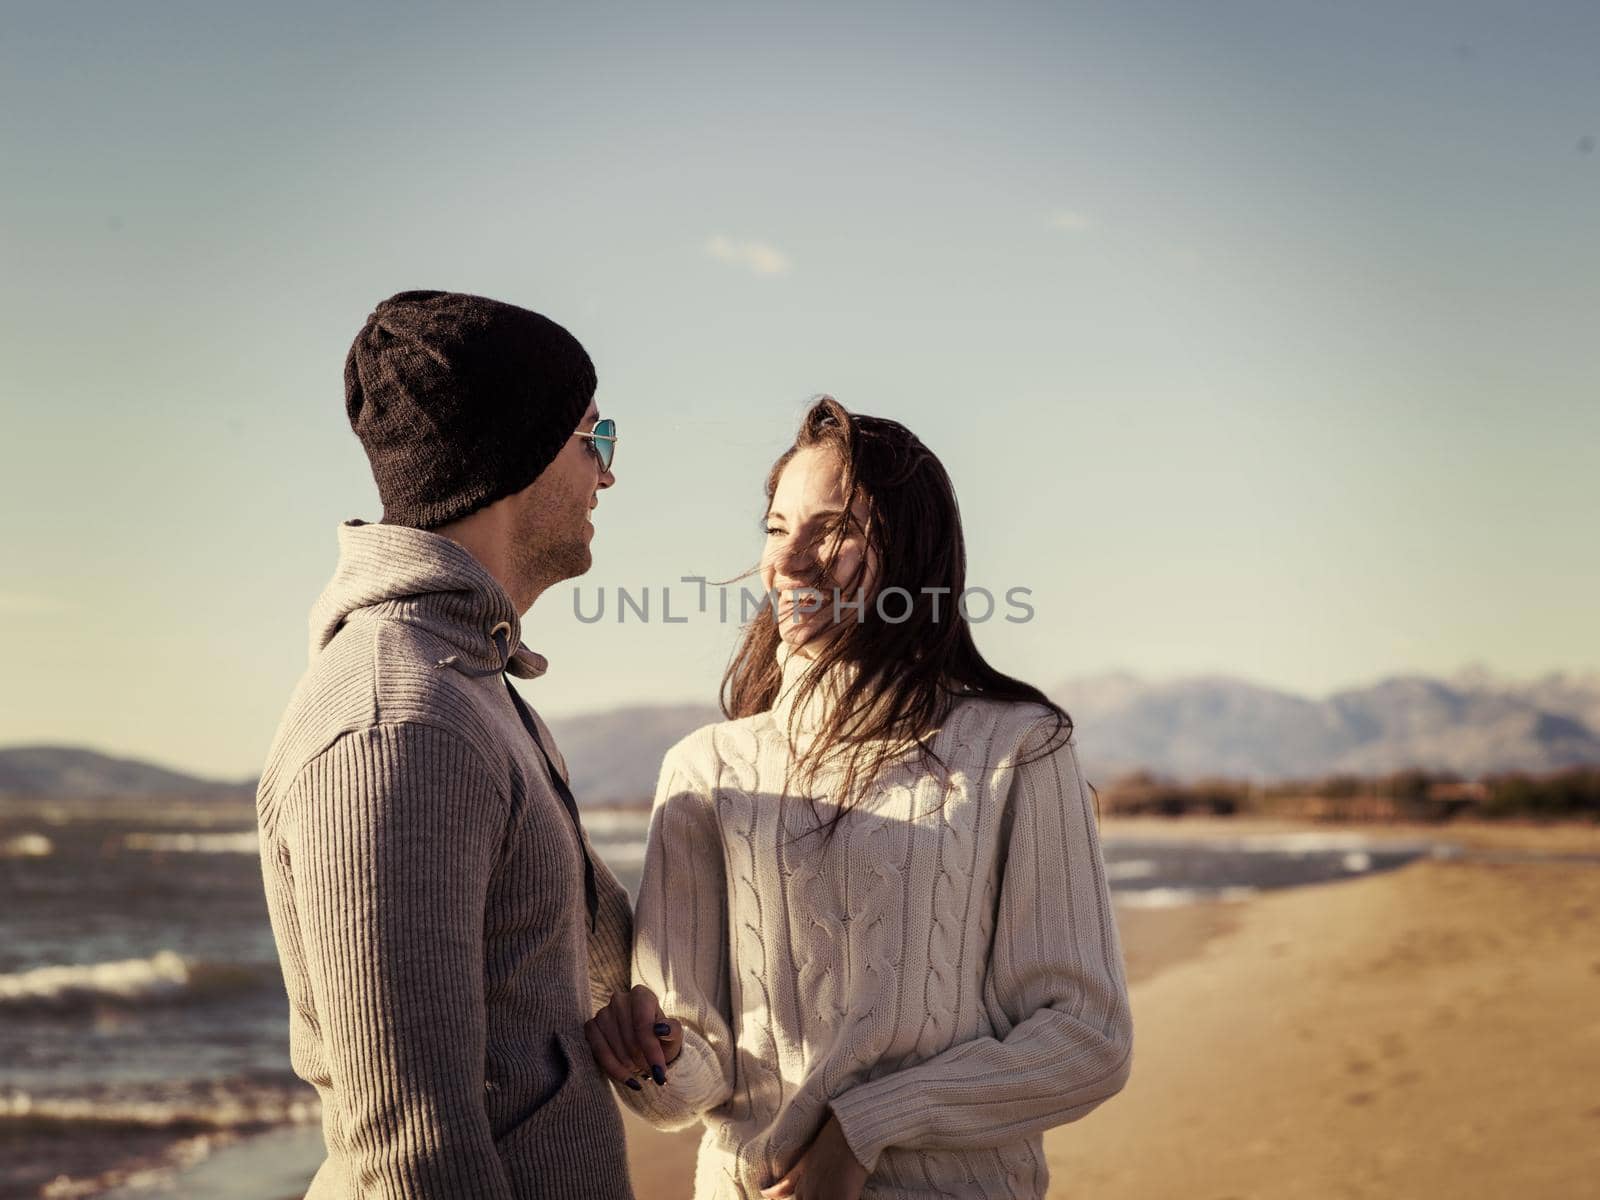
(806, 521)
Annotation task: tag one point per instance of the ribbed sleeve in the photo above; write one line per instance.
(1056, 990)
(680, 949)
(391, 835)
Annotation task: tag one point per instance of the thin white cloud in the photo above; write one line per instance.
(1070, 221)
(759, 257)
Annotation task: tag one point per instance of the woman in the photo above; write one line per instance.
(874, 898)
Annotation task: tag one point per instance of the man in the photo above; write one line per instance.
(444, 926)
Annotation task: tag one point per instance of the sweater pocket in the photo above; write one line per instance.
(547, 1116)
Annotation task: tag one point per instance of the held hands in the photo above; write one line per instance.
(825, 1170)
(632, 1039)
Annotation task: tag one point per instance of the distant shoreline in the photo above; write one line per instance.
(1537, 836)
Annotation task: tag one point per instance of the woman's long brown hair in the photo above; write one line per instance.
(911, 672)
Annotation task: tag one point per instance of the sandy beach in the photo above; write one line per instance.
(1427, 1032)
(1430, 1031)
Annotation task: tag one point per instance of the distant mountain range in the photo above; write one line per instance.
(77, 771)
(616, 755)
(1474, 723)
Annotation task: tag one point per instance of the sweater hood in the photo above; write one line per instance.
(396, 573)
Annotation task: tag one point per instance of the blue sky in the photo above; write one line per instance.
(1258, 338)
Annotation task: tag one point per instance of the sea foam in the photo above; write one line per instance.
(163, 973)
(217, 1108)
(27, 845)
(244, 842)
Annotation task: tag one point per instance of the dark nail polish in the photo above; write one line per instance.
(659, 1076)
(635, 1085)
(663, 1029)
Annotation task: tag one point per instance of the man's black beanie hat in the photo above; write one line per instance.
(459, 400)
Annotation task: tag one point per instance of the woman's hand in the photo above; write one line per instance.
(825, 1170)
(632, 1039)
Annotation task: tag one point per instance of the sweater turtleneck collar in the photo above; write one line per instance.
(807, 718)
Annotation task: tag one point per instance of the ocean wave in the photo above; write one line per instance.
(619, 855)
(27, 845)
(1174, 897)
(240, 1104)
(621, 824)
(1299, 845)
(242, 842)
(1133, 868)
(164, 977)
(138, 1139)
(143, 1174)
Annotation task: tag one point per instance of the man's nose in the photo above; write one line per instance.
(606, 479)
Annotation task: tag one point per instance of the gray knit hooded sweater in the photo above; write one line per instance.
(426, 888)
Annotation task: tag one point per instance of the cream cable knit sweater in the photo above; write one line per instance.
(946, 975)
